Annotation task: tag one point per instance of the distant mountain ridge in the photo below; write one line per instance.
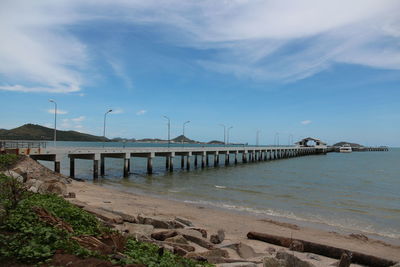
(348, 143)
(38, 132)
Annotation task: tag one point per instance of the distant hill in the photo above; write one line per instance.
(215, 142)
(344, 143)
(183, 138)
(38, 132)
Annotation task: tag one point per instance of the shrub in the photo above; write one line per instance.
(7, 161)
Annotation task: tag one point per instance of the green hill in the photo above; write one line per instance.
(38, 132)
(344, 143)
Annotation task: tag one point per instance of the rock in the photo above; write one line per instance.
(12, 173)
(180, 251)
(215, 253)
(33, 185)
(184, 221)
(159, 222)
(202, 231)
(54, 187)
(271, 250)
(199, 241)
(238, 264)
(245, 251)
(218, 238)
(396, 265)
(177, 239)
(188, 248)
(125, 217)
(345, 260)
(104, 215)
(195, 256)
(189, 232)
(137, 230)
(296, 246)
(313, 257)
(163, 235)
(291, 260)
(273, 262)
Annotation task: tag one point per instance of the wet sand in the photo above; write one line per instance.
(236, 225)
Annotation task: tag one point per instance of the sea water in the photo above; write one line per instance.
(348, 192)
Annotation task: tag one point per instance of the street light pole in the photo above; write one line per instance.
(183, 131)
(55, 120)
(169, 130)
(104, 126)
(224, 133)
(290, 139)
(227, 136)
(277, 139)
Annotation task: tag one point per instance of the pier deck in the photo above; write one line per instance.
(202, 155)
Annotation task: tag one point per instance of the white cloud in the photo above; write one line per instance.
(119, 70)
(79, 119)
(306, 122)
(72, 123)
(262, 39)
(59, 111)
(117, 111)
(141, 112)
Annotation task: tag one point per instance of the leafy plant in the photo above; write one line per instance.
(7, 161)
(11, 193)
(148, 254)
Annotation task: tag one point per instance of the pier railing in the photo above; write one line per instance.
(14, 144)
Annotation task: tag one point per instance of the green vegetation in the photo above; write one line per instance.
(33, 227)
(38, 132)
(7, 161)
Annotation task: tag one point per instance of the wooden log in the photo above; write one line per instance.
(324, 250)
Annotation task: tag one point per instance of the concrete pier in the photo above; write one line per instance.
(98, 156)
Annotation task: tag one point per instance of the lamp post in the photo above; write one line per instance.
(183, 132)
(224, 132)
(55, 120)
(227, 135)
(290, 139)
(277, 139)
(257, 137)
(104, 126)
(169, 130)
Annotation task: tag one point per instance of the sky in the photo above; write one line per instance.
(325, 69)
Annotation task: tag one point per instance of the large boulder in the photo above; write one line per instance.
(159, 222)
(104, 215)
(218, 238)
(53, 187)
(177, 239)
(138, 230)
(291, 260)
(238, 264)
(33, 185)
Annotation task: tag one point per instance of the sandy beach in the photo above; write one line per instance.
(236, 226)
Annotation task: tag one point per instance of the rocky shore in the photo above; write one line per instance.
(206, 234)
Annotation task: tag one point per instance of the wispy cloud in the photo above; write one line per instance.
(141, 112)
(118, 111)
(306, 122)
(281, 40)
(79, 119)
(73, 123)
(119, 70)
(59, 111)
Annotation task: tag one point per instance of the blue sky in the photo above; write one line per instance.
(301, 68)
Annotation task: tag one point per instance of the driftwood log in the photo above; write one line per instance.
(324, 250)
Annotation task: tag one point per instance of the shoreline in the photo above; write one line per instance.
(235, 224)
(258, 214)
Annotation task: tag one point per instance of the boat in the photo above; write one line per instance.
(345, 149)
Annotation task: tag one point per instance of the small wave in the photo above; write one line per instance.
(220, 186)
(367, 229)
